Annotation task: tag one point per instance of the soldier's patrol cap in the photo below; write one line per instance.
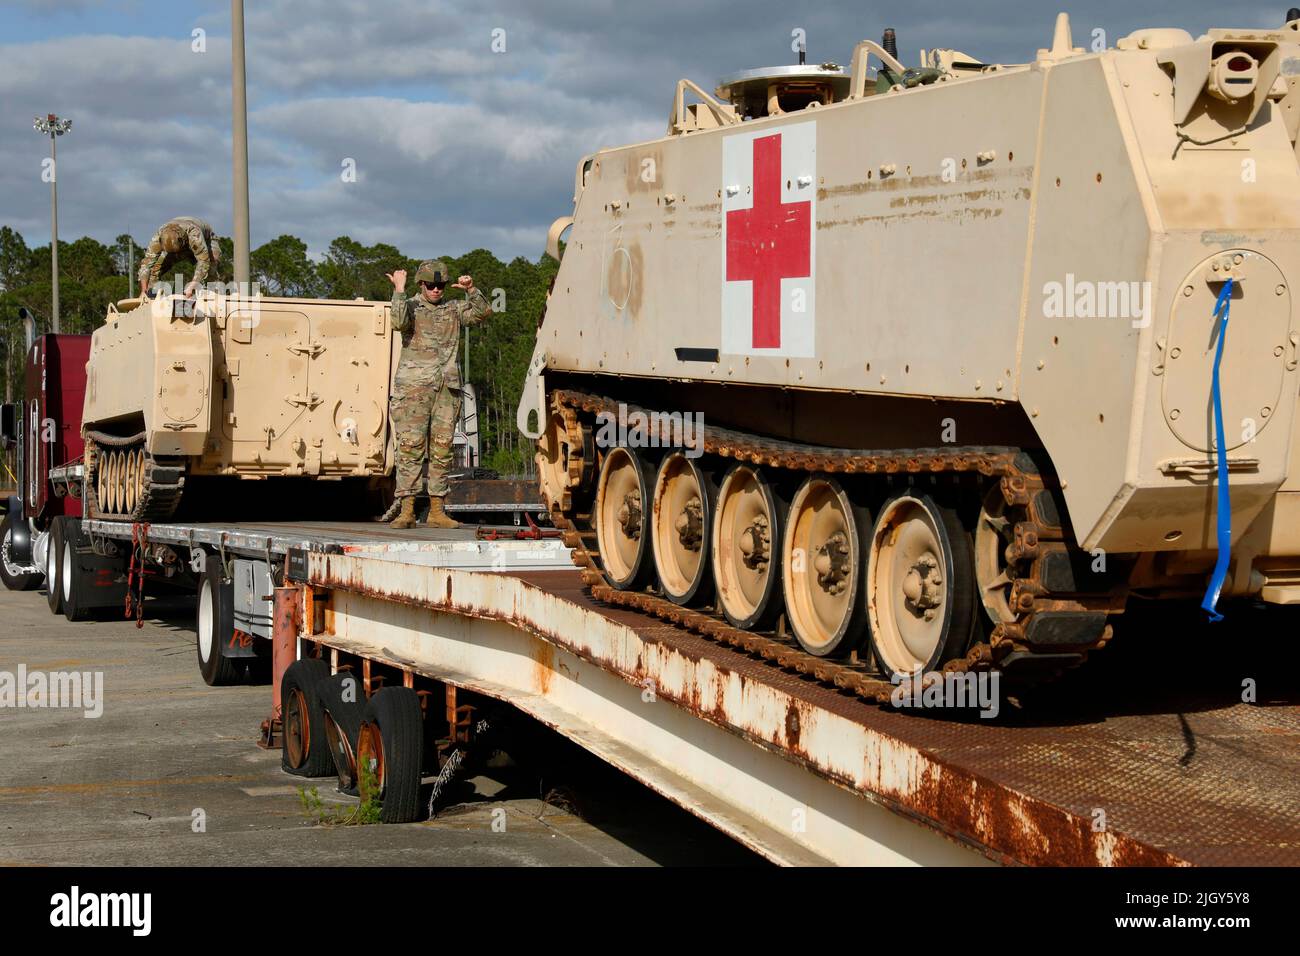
(432, 270)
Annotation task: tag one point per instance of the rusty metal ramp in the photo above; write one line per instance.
(1147, 755)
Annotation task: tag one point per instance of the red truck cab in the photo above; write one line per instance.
(44, 429)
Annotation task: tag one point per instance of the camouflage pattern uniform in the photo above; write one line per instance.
(202, 244)
(426, 394)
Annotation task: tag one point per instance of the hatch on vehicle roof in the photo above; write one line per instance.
(770, 91)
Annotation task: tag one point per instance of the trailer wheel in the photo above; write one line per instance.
(54, 567)
(390, 748)
(345, 706)
(14, 579)
(305, 752)
(72, 577)
(215, 625)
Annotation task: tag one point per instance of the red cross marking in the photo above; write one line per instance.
(769, 242)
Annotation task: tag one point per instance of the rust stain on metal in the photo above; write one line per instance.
(544, 656)
(949, 776)
(793, 726)
(1021, 829)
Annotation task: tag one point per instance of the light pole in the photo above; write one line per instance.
(54, 127)
(239, 143)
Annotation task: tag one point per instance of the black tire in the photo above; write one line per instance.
(72, 576)
(214, 627)
(54, 567)
(13, 579)
(393, 715)
(343, 718)
(305, 751)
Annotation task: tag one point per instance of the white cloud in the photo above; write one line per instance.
(456, 146)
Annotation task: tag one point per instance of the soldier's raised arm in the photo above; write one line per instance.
(475, 307)
(151, 264)
(202, 258)
(401, 305)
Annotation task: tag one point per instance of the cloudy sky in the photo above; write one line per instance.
(455, 145)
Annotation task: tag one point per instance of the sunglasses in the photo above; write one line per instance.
(434, 285)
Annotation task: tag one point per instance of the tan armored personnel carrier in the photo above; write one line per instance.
(952, 332)
(230, 387)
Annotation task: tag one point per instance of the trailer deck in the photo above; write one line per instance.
(1217, 785)
(1116, 765)
(458, 548)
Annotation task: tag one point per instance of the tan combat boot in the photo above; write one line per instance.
(406, 518)
(438, 518)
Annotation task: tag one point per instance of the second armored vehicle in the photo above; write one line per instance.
(224, 387)
(960, 334)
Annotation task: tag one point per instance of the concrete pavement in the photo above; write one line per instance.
(171, 774)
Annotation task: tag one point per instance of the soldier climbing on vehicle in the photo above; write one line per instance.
(175, 241)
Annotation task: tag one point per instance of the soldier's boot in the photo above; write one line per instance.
(406, 517)
(438, 518)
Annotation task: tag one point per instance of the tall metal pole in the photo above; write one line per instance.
(54, 127)
(54, 232)
(239, 139)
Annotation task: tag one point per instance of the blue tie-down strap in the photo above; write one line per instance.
(1224, 520)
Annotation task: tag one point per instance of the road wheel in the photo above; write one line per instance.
(553, 457)
(114, 479)
(681, 521)
(746, 548)
(622, 519)
(101, 482)
(920, 586)
(994, 532)
(215, 627)
(390, 746)
(131, 483)
(822, 570)
(305, 751)
(54, 567)
(11, 573)
(344, 704)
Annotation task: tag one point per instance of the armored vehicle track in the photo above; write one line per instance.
(967, 566)
(124, 481)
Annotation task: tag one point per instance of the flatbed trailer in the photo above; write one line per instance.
(795, 768)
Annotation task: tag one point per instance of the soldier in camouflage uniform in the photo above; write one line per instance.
(426, 394)
(182, 238)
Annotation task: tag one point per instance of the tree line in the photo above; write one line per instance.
(91, 275)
